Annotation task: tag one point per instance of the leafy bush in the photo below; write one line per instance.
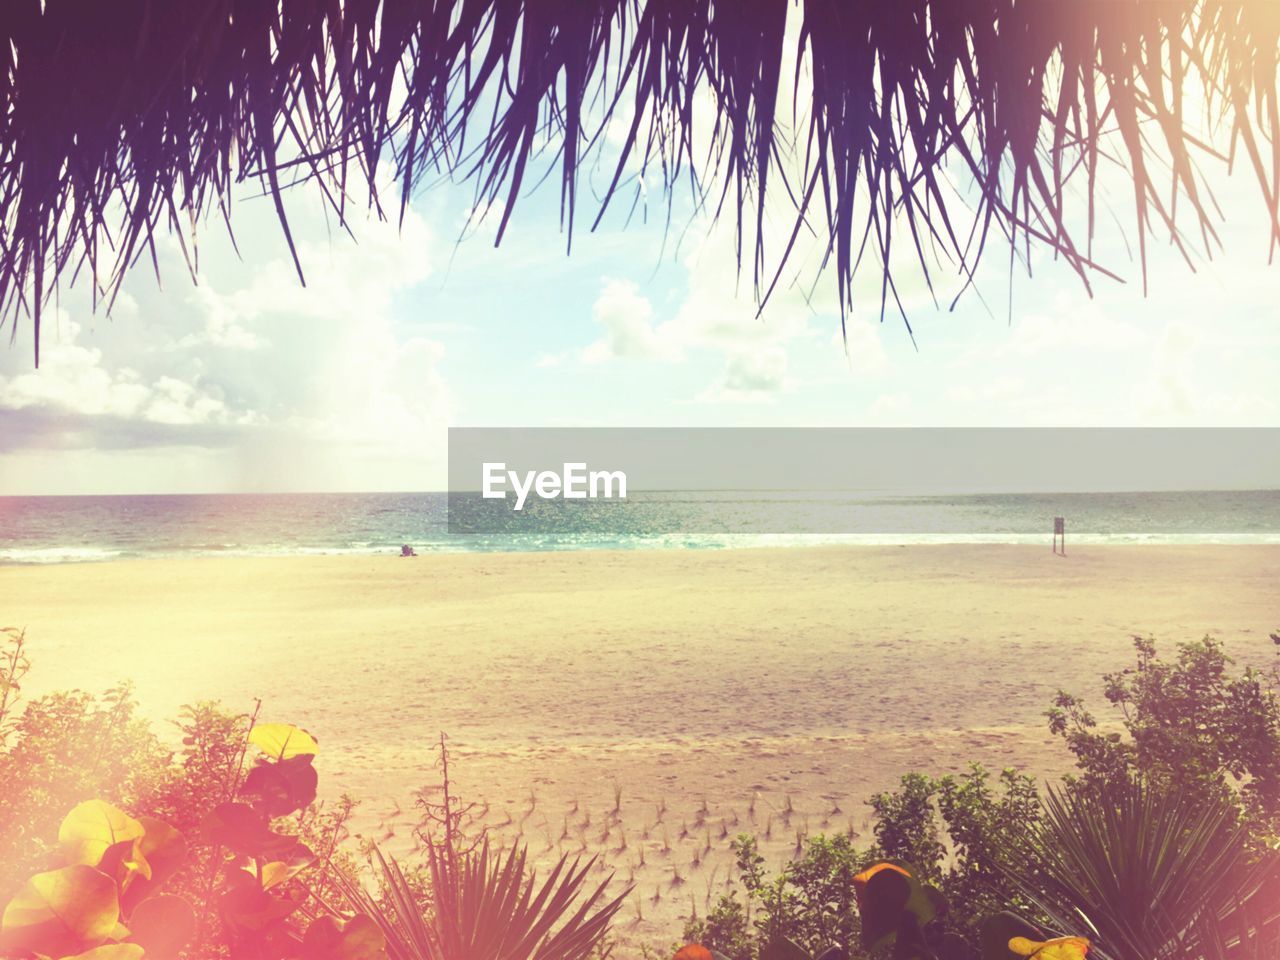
(906, 826)
(1190, 723)
(810, 902)
(62, 748)
(104, 890)
(102, 900)
(229, 826)
(1160, 847)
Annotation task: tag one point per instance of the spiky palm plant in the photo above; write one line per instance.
(487, 905)
(1148, 874)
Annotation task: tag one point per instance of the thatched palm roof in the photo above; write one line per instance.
(123, 118)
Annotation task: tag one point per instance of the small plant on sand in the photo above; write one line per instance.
(14, 665)
(471, 899)
(484, 904)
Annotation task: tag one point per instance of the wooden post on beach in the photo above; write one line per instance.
(1060, 530)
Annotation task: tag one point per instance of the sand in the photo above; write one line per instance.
(713, 690)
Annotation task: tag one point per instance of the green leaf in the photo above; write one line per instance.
(245, 830)
(282, 786)
(278, 871)
(780, 948)
(358, 939)
(164, 848)
(163, 925)
(246, 905)
(124, 863)
(62, 911)
(92, 828)
(280, 741)
(999, 929)
(889, 893)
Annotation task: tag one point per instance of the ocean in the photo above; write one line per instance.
(101, 528)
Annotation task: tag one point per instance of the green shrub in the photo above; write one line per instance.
(1191, 723)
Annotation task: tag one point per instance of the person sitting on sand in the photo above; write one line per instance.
(408, 551)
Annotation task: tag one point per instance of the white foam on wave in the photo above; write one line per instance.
(534, 544)
(57, 554)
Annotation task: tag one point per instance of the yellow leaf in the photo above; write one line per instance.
(92, 828)
(124, 862)
(278, 871)
(280, 741)
(1059, 948)
(62, 912)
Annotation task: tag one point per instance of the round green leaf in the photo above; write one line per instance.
(93, 827)
(164, 847)
(245, 830)
(282, 786)
(62, 911)
(280, 741)
(163, 925)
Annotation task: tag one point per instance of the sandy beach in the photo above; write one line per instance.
(740, 678)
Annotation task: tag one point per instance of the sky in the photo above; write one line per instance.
(247, 381)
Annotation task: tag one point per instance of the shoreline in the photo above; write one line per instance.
(88, 556)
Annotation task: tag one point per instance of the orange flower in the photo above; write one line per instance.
(1059, 948)
(862, 879)
(693, 951)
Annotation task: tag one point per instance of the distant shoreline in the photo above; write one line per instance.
(57, 555)
(45, 531)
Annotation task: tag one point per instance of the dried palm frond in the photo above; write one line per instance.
(132, 117)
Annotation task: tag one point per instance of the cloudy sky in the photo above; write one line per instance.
(247, 381)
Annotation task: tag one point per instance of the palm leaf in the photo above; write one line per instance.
(1143, 871)
(123, 120)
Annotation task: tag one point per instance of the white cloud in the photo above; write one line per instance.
(890, 407)
(750, 376)
(316, 387)
(223, 326)
(627, 318)
(74, 379)
(339, 369)
(860, 346)
(1166, 392)
(713, 318)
